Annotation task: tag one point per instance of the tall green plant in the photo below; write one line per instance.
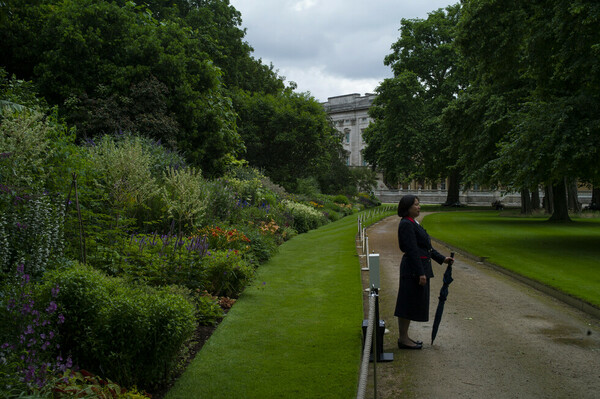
(185, 194)
(31, 232)
(124, 171)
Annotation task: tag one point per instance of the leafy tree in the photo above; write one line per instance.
(287, 136)
(392, 139)
(407, 137)
(120, 60)
(532, 93)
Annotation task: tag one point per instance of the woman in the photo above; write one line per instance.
(415, 270)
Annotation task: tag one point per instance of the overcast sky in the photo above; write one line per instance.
(329, 47)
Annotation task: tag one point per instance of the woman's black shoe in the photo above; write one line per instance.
(403, 346)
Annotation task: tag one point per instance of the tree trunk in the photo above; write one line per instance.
(535, 198)
(561, 209)
(572, 198)
(525, 201)
(453, 197)
(595, 204)
(548, 199)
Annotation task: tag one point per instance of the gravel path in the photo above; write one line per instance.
(498, 338)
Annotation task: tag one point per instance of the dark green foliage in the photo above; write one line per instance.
(406, 140)
(287, 136)
(31, 233)
(117, 67)
(131, 334)
(368, 200)
(227, 273)
(532, 106)
(262, 245)
(341, 199)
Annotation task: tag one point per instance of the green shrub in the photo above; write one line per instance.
(305, 217)
(221, 201)
(185, 195)
(227, 273)
(341, 199)
(263, 245)
(29, 349)
(208, 311)
(124, 172)
(162, 260)
(130, 334)
(368, 200)
(25, 148)
(31, 232)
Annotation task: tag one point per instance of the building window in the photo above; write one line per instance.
(347, 161)
(347, 135)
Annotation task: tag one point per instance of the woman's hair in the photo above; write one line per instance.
(406, 202)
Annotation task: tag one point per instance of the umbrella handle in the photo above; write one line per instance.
(452, 256)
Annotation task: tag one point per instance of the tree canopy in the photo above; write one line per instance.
(534, 93)
(176, 71)
(504, 93)
(406, 139)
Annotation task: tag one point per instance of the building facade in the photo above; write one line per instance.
(350, 118)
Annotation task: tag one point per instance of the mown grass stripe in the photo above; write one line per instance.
(297, 335)
(562, 256)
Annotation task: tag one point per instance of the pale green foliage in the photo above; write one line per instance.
(305, 217)
(185, 195)
(296, 207)
(125, 170)
(31, 233)
(25, 150)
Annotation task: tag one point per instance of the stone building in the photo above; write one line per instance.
(349, 116)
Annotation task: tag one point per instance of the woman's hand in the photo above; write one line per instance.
(422, 280)
(448, 260)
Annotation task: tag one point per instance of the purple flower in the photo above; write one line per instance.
(26, 308)
(55, 291)
(61, 318)
(52, 307)
(29, 330)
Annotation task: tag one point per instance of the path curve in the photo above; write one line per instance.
(499, 338)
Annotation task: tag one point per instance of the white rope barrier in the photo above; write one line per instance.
(364, 368)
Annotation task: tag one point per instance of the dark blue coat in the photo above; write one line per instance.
(418, 252)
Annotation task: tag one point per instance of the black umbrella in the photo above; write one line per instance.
(443, 295)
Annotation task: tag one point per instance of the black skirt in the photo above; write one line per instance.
(413, 300)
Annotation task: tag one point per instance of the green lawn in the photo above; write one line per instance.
(564, 256)
(295, 333)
